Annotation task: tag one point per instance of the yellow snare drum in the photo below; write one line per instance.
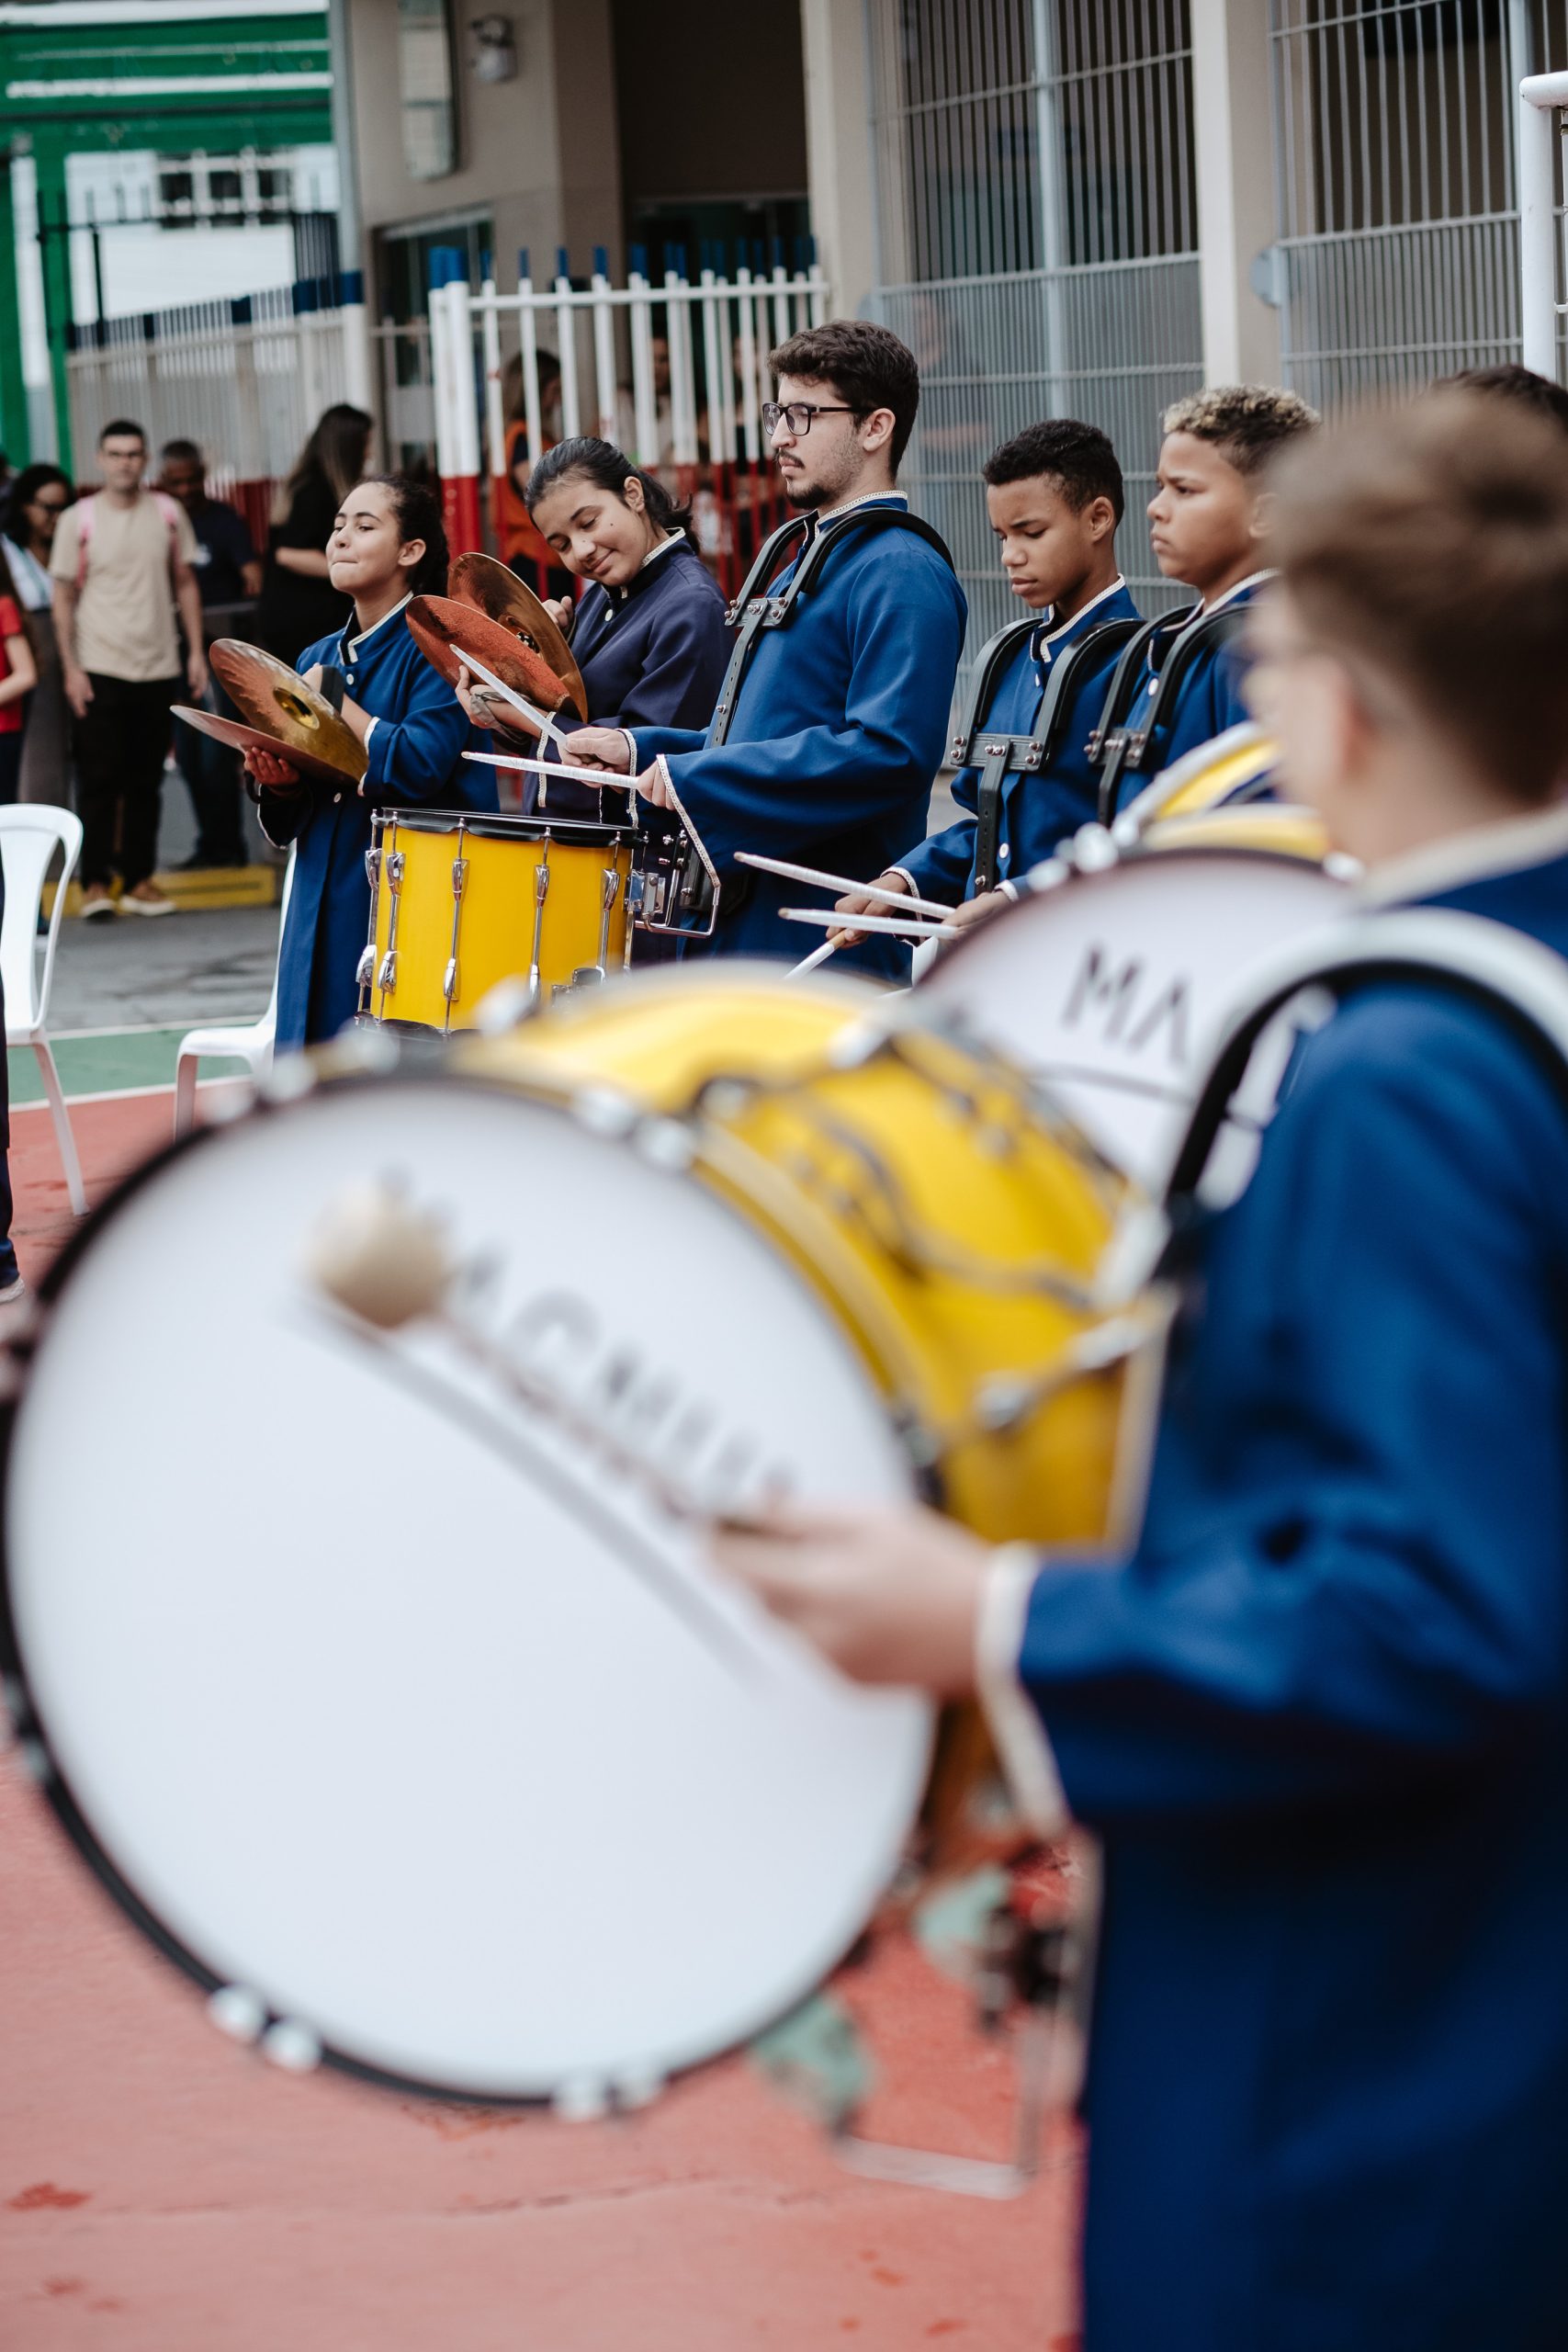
(1237, 766)
(950, 1222)
(459, 902)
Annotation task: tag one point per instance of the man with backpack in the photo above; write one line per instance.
(124, 587)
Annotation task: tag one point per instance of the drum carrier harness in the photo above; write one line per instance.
(1115, 747)
(755, 610)
(997, 756)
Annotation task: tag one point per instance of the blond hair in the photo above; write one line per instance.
(1248, 424)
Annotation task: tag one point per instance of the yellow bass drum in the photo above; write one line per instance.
(952, 1221)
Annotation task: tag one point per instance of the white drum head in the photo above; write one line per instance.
(1108, 987)
(395, 1710)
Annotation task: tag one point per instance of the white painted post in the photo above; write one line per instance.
(528, 343)
(682, 395)
(1541, 95)
(644, 405)
(604, 348)
(495, 407)
(751, 422)
(565, 329)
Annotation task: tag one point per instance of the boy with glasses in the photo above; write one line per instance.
(831, 721)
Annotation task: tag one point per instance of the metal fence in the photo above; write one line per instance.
(245, 380)
(1396, 182)
(1037, 235)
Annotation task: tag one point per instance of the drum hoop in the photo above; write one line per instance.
(587, 832)
(32, 1731)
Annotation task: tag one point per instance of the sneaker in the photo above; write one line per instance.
(145, 900)
(97, 904)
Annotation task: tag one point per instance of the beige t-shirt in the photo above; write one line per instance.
(124, 610)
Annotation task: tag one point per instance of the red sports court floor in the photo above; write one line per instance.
(162, 2191)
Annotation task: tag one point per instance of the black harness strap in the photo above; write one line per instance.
(1128, 747)
(1004, 755)
(756, 610)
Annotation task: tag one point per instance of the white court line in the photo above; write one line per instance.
(126, 1093)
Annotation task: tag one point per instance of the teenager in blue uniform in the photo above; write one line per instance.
(1319, 1718)
(839, 720)
(650, 634)
(387, 546)
(1054, 500)
(1207, 520)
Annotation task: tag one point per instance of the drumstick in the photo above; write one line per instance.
(840, 882)
(548, 731)
(895, 923)
(555, 768)
(817, 956)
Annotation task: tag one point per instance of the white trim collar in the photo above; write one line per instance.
(1509, 846)
(1253, 580)
(670, 539)
(1048, 635)
(351, 645)
(871, 498)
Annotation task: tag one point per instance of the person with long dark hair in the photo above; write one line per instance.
(35, 501)
(298, 602)
(387, 546)
(649, 635)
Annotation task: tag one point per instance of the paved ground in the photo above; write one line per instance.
(162, 2191)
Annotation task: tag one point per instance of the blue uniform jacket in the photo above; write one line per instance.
(1037, 810)
(655, 654)
(414, 761)
(838, 732)
(1321, 1720)
(1210, 701)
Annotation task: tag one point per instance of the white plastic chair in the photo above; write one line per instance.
(251, 1044)
(30, 833)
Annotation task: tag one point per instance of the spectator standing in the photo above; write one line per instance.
(18, 676)
(298, 602)
(122, 564)
(229, 576)
(37, 499)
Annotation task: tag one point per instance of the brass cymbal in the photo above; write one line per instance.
(291, 719)
(241, 738)
(480, 580)
(440, 626)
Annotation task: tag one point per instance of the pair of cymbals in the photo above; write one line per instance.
(490, 612)
(278, 713)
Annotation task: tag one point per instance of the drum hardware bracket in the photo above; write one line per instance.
(541, 890)
(1003, 1402)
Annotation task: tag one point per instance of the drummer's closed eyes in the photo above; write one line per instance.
(387, 545)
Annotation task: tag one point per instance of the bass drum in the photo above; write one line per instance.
(1106, 982)
(440, 1751)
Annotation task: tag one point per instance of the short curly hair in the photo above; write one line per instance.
(1080, 457)
(1247, 424)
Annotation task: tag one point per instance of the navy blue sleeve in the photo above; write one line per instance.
(684, 667)
(412, 758)
(1352, 1577)
(904, 642)
(940, 866)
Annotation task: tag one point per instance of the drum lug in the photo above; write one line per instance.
(460, 875)
(373, 866)
(541, 888)
(367, 971)
(395, 868)
(386, 976)
(449, 980)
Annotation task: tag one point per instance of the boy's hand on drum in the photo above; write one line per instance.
(888, 1594)
(599, 747)
(980, 910)
(273, 774)
(856, 902)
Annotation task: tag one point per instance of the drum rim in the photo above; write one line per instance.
(589, 832)
(29, 1732)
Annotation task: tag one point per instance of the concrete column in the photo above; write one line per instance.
(1232, 140)
(840, 165)
(49, 158)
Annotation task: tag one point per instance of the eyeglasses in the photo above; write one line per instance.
(797, 416)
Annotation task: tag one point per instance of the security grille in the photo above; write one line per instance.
(1036, 242)
(1398, 251)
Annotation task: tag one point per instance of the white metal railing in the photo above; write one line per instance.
(245, 380)
(1543, 227)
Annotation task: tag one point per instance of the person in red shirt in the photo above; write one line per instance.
(18, 676)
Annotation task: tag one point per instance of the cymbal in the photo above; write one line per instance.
(440, 625)
(291, 718)
(480, 580)
(241, 738)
